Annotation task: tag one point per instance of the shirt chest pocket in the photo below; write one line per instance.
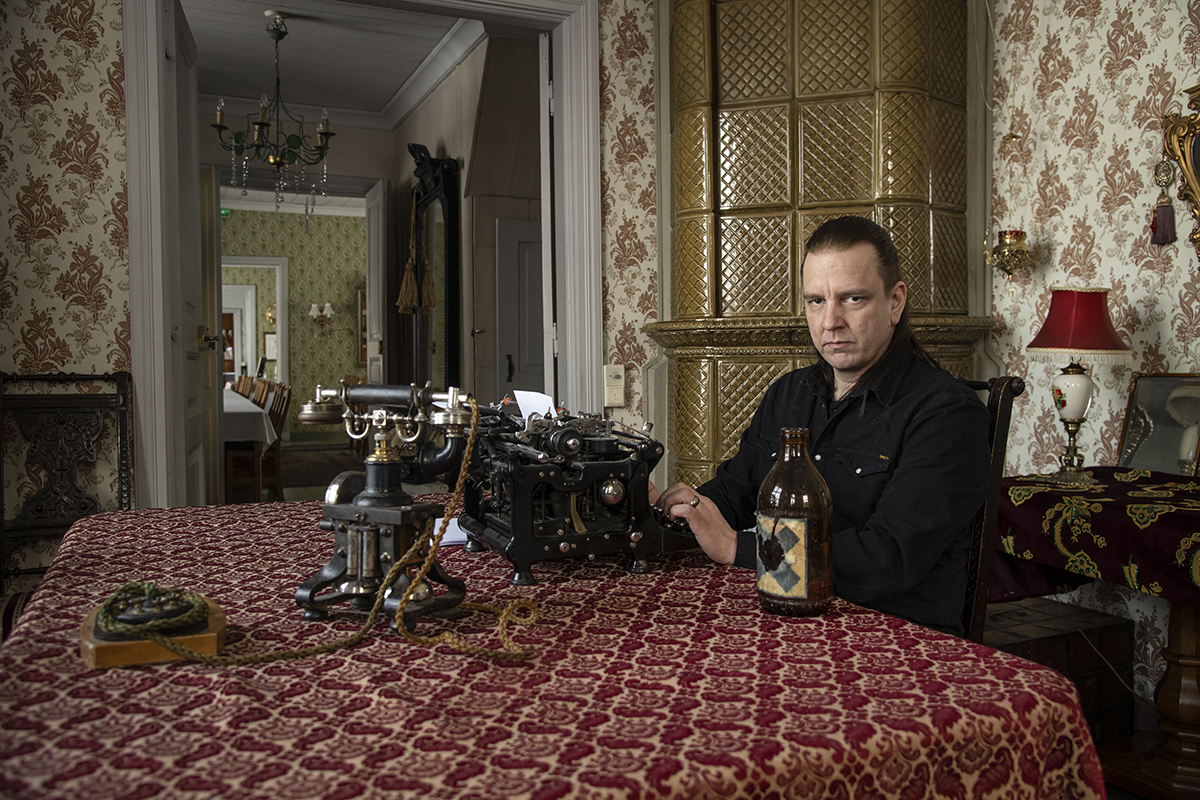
(864, 462)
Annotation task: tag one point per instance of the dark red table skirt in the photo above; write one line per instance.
(1136, 528)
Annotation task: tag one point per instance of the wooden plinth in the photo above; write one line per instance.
(102, 654)
(1170, 767)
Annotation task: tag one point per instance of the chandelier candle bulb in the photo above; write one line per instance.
(795, 540)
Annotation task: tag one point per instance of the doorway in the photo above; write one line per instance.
(575, 244)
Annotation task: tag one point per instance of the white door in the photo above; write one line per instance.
(520, 357)
(172, 409)
(211, 361)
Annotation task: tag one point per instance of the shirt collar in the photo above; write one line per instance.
(884, 387)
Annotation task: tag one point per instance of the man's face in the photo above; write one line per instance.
(850, 312)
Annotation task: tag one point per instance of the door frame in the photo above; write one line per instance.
(575, 30)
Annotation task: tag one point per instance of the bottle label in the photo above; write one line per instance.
(782, 556)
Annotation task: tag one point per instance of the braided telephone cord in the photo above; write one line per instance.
(517, 612)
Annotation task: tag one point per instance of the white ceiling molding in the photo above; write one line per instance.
(464, 37)
(456, 45)
(257, 200)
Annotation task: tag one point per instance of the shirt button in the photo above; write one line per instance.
(817, 457)
(858, 471)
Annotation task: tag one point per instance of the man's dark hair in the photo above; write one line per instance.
(843, 233)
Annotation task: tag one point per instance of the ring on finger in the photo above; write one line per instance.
(695, 501)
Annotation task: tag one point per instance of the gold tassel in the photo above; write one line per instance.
(408, 302)
(429, 298)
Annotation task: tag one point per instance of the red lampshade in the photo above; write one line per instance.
(1078, 328)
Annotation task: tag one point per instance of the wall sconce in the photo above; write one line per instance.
(321, 315)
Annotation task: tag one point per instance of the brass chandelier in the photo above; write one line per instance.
(265, 140)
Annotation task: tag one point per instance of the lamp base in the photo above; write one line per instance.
(1070, 476)
(1071, 472)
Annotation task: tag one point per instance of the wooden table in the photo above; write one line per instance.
(1139, 529)
(244, 421)
(672, 684)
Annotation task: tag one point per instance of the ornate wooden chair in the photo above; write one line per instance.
(272, 462)
(1001, 393)
(59, 431)
(262, 391)
(244, 385)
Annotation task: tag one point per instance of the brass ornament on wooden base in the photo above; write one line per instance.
(1181, 139)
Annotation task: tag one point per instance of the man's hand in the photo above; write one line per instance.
(710, 528)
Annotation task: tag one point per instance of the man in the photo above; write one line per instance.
(901, 443)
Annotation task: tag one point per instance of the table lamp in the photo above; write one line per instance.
(1077, 329)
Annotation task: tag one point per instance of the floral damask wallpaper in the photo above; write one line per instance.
(628, 183)
(64, 267)
(64, 260)
(1083, 85)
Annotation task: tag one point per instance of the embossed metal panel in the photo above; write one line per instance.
(691, 161)
(800, 111)
(949, 263)
(754, 157)
(691, 70)
(690, 427)
(910, 229)
(691, 281)
(755, 273)
(753, 50)
(836, 150)
(833, 46)
(904, 145)
(949, 160)
(948, 52)
(904, 29)
(740, 387)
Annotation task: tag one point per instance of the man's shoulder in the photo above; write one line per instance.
(936, 384)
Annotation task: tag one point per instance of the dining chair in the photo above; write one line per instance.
(244, 385)
(1001, 393)
(272, 459)
(262, 391)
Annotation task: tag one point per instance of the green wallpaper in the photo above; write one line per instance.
(326, 264)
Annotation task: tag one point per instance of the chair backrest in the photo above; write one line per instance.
(278, 412)
(244, 385)
(262, 390)
(1001, 392)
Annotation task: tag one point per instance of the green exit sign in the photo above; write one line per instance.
(224, 213)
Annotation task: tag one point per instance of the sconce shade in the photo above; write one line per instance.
(1078, 328)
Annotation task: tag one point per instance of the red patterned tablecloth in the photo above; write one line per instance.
(670, 684)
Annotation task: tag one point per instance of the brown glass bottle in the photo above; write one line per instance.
(795, 542)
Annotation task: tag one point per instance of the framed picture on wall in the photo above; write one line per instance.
(270, 346)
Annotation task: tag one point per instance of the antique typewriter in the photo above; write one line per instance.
(539, 487)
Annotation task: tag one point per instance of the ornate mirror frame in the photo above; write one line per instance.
(1181, 137)
(436, 191)
(1161, 432)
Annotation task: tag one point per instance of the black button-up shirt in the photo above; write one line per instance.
(907, 477)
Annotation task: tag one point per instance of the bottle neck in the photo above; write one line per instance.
(793, 443)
